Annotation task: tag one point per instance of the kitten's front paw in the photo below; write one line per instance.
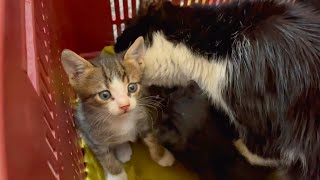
(121, 176)
(124, 152)
(167, 159)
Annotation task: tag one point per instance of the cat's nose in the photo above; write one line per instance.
(125, 107)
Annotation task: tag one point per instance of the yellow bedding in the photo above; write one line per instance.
(140, 167)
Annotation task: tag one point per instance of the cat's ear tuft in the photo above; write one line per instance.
(136, 51)
(146, 4)
(74, 64)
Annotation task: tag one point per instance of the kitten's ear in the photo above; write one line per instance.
(146, 4)
(136, 50)
(73, 64)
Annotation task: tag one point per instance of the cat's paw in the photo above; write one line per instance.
(124, 152)
(167, 159)
(121, 176)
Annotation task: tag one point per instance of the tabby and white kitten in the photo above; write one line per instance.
(258, 60)
(111, 111)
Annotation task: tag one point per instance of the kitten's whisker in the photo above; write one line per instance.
(154, 105)
(149, 105)
(153, 102)
(99, 118)
(153, 97)
(148, 113)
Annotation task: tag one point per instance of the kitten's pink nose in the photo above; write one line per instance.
(125, 107)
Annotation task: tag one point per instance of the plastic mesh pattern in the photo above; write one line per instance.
(65, 159)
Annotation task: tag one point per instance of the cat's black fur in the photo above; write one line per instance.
(274, 52)
(200, 136)
(314, 3)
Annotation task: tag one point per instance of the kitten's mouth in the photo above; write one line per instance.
(125, 111)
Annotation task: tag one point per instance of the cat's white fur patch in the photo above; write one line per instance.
(121, 176)
(123, 152)
(169, 64)
(254, 159)
(126, 126)
(293, 155)
(167, 159)
(119, 91)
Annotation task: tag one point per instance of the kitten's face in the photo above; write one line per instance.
(119, 95)
(110, 83)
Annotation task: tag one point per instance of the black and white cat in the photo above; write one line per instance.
(259, 61)
(200, 136)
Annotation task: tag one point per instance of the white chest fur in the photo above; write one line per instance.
(126, 127)
(118, 130)
(169, 64)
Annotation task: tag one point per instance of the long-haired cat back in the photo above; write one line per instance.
(258, 61)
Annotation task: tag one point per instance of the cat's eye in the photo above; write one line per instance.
(132, 87)
(104, 95)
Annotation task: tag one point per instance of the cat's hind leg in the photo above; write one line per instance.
(158, 153)
(123, 152)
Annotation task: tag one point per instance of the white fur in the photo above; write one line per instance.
(126, 126)
(168, 64)
(119, 91)
(293, 155)
(254, 159)
(124, 152)
(288, 157)
(121, 176)
(167, 159)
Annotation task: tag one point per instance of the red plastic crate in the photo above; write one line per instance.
(38, 140)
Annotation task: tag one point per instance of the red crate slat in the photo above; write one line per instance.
(125, 9)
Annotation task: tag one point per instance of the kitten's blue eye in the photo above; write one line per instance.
(132, 87)
(104, 95)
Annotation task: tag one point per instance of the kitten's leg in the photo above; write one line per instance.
(124, 152)
(157, 152)
(254, 159)
(113, 168)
